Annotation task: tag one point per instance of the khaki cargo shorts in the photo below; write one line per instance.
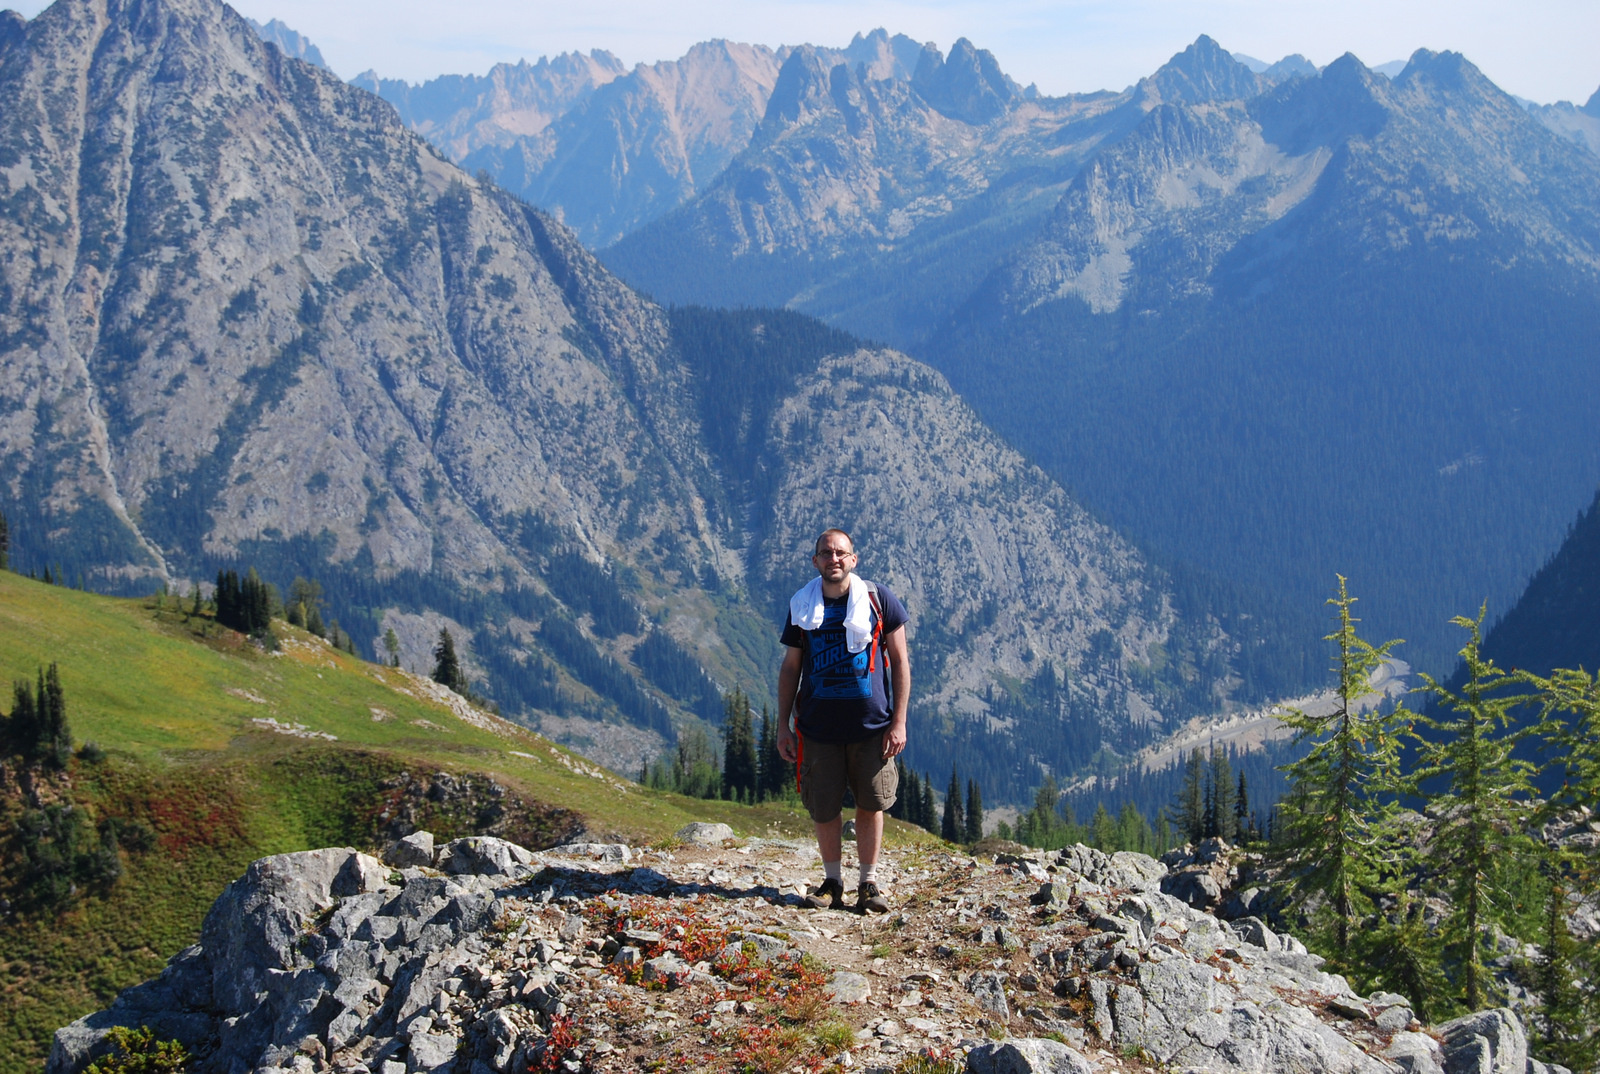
(827, 768)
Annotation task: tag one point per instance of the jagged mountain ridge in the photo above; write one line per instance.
(462, 113)
(649, 138)
(1144, 326)
(857, 193)
(632, 144)
(261, 321)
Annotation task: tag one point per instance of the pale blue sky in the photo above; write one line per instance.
(1541, 49)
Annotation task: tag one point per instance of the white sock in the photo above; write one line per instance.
(869, 873)
(830, 869)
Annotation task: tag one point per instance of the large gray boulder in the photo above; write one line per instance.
(1416, 1053)
(1195, 888)
(705, 834)
(484, 855)
(1026, 1055)
(1485, 1042)
(414, 849)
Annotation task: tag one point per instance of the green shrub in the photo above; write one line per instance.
(138, 1052)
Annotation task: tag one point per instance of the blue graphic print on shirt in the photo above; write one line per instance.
(836, 672)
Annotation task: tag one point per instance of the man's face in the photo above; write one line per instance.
(834, 559)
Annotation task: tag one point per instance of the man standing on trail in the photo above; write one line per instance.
(846, 677)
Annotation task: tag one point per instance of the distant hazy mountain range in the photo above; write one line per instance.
(253, 319)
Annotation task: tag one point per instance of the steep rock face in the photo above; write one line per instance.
(281, 313)
(463, 113)
(985, 533)
(642, 144)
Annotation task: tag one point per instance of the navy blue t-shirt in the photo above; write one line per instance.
(840, 700)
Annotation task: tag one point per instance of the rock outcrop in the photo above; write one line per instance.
(592, 957)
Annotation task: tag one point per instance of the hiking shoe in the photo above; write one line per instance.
(830, 896)
(869, 900)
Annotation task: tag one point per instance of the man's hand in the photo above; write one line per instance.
(894, 740)
(787, 743)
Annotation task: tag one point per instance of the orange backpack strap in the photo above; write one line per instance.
(877, 627)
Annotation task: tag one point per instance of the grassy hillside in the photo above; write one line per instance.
(198, 783)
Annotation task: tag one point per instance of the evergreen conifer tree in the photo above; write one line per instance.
(909, 800)
(1341, 790)
(1241, 812)
(297, 615)
(55, 740)
(1190, 812)
(898, 810)
(391, 645)
(5, 543)
(930, 814)
(974, 811)
(776, 773)
(314, 621)
(1221, 821)
(1102, 829)
(954, 826)
(1565, 1020)
(446, 668)
(738, 747)
(1481, 796)
(22, 729)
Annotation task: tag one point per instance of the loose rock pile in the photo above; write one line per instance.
(481, 957)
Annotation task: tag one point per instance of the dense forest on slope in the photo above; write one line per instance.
(1556, 621)
(1383, 421)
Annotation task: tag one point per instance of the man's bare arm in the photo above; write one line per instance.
(788, 686)
(900, 675)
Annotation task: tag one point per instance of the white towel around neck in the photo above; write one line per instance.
(805, 612)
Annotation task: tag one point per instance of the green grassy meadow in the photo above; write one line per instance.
(174, 702)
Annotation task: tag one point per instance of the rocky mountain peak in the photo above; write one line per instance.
(1593, 106)
(14, 28)
(1291, 66)
(290, 41)
(883, 56)
(1450, 71)
(1347, 100)
(969, 85)
(1204, 71)
(804, 88)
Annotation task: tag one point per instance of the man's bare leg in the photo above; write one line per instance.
(829, 838)
(869, 835)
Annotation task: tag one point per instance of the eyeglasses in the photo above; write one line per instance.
(832, 553)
